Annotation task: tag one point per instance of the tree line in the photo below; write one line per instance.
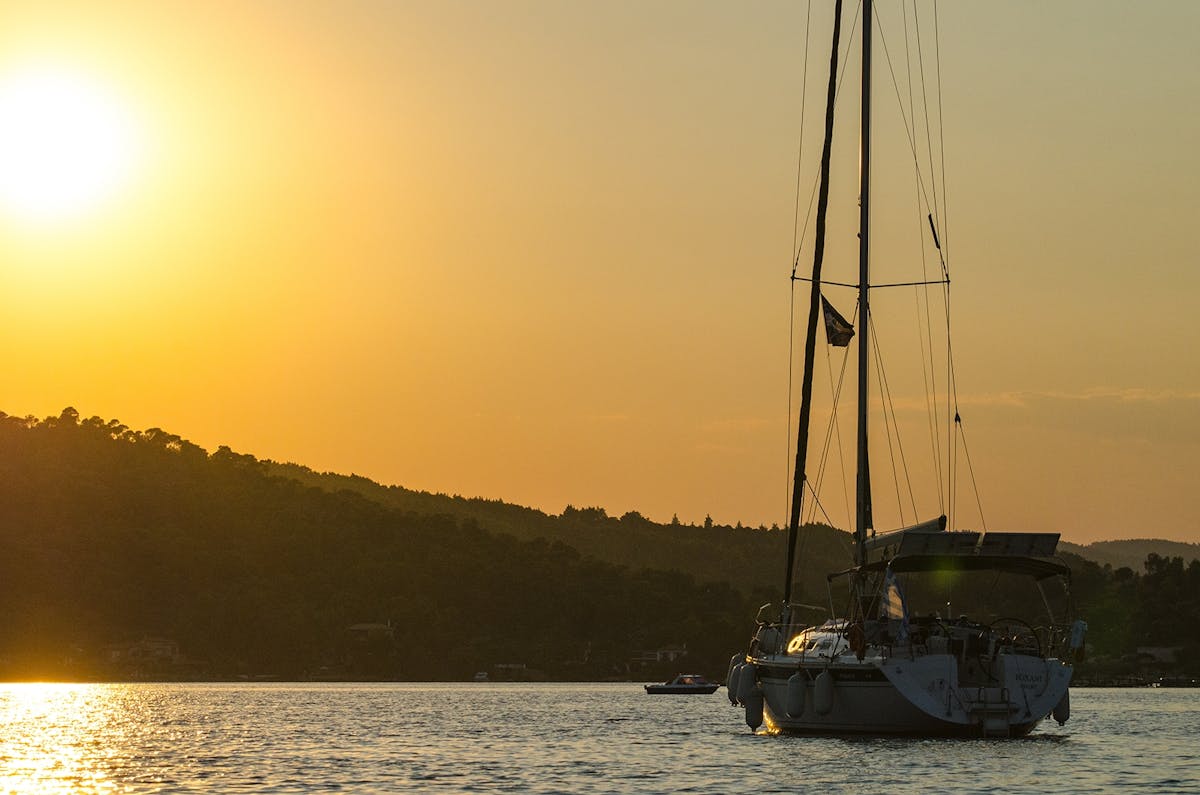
(253, 567)
(113, 535)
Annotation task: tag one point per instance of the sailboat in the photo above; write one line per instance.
(878, 665)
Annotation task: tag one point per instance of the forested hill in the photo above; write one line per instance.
(138, 553)
(746, 557)
(1133, 593)
(750, 559)
(124, 548)
(1132, 553)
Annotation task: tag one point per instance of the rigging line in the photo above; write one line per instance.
(812, 197)
(951, 378)
(910, 284)
(933, 172)
(799, 469)
(828, 521)
(951, 400)
(925, 102)
(928, 374)
(875, 286)
(837, 428)
(912, 115)
(916, 160)
(891, 451)
(886, 390)
(942, 254)
(835, 389)
(931, 206)
(907, 60)
(971, 469)
(924, 316)
(838, 433)
(929, 378)
(909, 125)
(800, 145)
(796, 259)
(953, 383)
(846, 544)
(910, 132)
(791, 368)
(833, 430)
(930, 388)
(817, 501)
(808, 214)
(937, 52)
(827, 437)
(795, 264)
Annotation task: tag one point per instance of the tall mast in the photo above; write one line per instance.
(863, 520)
(814, 307)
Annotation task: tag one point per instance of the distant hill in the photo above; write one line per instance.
(749, 558)
(1120, 609)
(746, 557)
(1132, 553)
(139, 554)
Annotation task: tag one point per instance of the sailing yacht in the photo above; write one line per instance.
(877, 665)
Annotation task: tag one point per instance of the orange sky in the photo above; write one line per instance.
(538, 251)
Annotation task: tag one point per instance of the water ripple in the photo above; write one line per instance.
(284, 738)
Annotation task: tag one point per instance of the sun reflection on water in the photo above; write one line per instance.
(51, 738)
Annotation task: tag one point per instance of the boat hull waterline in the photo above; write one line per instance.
(886, 691)
(863, 704)
(684, 685)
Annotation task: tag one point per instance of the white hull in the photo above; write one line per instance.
(913, 696)
(858, 708)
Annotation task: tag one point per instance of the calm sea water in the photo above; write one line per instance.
(544, 738)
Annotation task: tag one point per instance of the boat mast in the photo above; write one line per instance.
(814, 308)
(863, 520)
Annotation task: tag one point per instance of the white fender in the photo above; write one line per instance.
(823, 693)
(1062, 710)
(797, 689)
(754, 707)
(733, 685)
(730, 691)
(733, 663)
(747, 682)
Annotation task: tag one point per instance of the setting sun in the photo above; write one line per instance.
(66, 143)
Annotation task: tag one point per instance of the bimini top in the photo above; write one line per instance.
(930, 547)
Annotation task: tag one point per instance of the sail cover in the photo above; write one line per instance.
(837, 330)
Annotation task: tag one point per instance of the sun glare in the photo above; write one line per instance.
(66, 144)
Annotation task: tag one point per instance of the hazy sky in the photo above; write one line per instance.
(539, 251)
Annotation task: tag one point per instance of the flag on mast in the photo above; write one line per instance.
(837, 330)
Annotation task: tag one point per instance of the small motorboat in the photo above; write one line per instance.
(684, 684)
